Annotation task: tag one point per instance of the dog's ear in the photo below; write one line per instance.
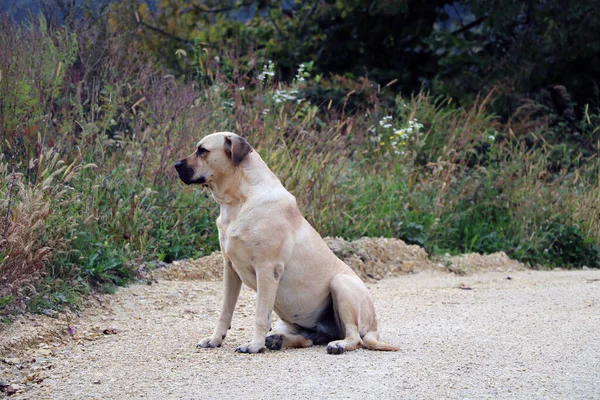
(237, 148)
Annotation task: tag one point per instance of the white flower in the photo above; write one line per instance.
(268, 70)
(285, 95)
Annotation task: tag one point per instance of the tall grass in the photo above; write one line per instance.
(88, 193)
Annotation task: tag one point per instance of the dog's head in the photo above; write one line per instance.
(215, 158)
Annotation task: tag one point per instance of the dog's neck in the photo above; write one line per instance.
(228, 192)
(252, 176)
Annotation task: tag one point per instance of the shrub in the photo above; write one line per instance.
(39, 219)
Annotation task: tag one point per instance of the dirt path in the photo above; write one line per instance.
(534, 335)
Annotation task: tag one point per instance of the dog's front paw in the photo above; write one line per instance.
(209, 343)
(274, 342)
(250, 348)
(335, 347)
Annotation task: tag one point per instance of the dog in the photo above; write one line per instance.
(268, 246)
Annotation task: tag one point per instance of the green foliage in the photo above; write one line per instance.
(5, 300)
(56, 294)
(459, 49)
(68, 213)
(88, 192)
(566, 245)
(521, 49)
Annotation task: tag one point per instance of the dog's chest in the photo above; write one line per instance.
(240, 252)
(242, 260)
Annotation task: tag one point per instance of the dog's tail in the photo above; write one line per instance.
(371, 342)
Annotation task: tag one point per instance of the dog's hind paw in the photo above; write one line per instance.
(274, 342)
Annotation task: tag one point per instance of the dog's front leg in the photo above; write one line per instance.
(233, 284)
(267, 283)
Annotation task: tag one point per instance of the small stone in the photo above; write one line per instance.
(407, 267)
(12, 361)
(49, 312)
(13, 388)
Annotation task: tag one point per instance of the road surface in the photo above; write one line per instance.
(513, 335)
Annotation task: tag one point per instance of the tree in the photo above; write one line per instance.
(520, 49)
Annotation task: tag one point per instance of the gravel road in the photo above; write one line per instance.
(517, 335)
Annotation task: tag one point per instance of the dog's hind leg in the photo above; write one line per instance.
(355, 314)
(286, 336)
(354, 311)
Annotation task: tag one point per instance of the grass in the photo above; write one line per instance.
(88, 192)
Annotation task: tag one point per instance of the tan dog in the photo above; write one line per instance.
(270, 247)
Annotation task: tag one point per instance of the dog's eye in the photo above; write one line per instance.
(201, 151)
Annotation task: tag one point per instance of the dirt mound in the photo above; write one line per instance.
(370, 258)
(378, 258)
(209, 268)
(470, 263)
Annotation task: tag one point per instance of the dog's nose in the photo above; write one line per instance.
(178, 165)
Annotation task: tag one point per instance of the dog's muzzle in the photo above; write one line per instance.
(186, 173)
